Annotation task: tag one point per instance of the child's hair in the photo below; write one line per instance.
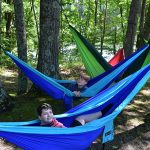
(43, 106)
(85, 77)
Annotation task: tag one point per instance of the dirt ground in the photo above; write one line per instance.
(132, 127)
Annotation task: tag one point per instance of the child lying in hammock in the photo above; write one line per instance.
(81, 84)
(45, 115)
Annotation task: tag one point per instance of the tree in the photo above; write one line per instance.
(0, 19)
(141, 24)
(49, 35)
(132, 26)
(8, 18)
(5, 99)
(144, 34)
(104, 27)
(21, 43)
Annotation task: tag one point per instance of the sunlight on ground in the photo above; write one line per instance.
(8, 81)
(145, 92)
(134, 122)
(129, 125)
(12, 94)
(8, 73)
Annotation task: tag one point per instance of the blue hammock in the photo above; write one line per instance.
(55, 88)
(29, 136)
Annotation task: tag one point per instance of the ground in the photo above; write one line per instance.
(132, 126)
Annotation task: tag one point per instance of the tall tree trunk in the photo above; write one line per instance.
(80, 10)
(95, 23)
(0, 23)
(145, 33)
(95, 15)
(36, 23)
(104, 27)
(5, 100)
(132, 26)
(114, 40)
(122, 25)
(21, 43)
(49, 38)
(88, 16)
(141, 25)
(8, 19)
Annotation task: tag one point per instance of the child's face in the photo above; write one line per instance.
(46, 116)
(81, 82)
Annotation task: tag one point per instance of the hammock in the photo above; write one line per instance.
(93, 61)
(55, 88)
(95, 64)
(29, 136)
(119, 56)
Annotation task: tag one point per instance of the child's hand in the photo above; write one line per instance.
(77, 93)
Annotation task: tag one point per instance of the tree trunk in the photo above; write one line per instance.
(48, 41)
(0, 30)
(8, 25)
(141, 25)
(88, 16)
(95, 15)
(132, 25)
(36, 23)
(0, 24)
(122, 25)
(95, 22)
(5, 100)
(21, 43)
(49, 36)
(114, 40)
(104, 27)
(145, 33)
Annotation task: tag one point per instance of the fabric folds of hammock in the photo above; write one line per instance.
(29, 135)
(55, 89)
(96, 64)
(119, 56)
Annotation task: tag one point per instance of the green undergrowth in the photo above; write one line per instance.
(24, 108)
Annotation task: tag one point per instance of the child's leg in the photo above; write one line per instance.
(89, 117)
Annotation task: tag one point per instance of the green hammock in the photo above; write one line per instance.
(95, 64)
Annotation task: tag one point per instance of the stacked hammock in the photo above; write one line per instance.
(118, 57)
(95, 64)
(30, 136)
(55, 88)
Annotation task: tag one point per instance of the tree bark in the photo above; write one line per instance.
(144, 35)
(114, 40)
(5, 100)
(104, 27)
(8, 18)
(141, 25)
(21, 43)
(49, 38)
(0, 30)
(0, 23)
(95, 15)
(132, 26)
(122, 25)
